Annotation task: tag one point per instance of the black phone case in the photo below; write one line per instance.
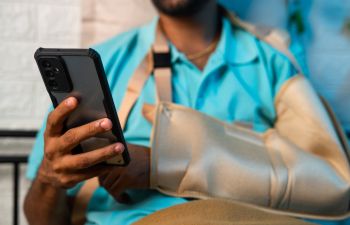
(81, 74)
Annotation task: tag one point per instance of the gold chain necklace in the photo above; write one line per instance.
(205, 51)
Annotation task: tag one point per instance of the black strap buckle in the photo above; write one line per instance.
(162, 60)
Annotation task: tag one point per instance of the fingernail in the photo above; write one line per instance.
(70, 101)
(119, 148)
(106, 124)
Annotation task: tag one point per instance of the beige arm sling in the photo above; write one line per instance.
(267, 190)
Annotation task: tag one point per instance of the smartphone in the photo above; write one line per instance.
(79, 73)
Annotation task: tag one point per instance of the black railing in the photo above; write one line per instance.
(16, 161)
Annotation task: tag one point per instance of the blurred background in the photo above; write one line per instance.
(320, 31)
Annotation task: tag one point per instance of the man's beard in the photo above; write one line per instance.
(179, 8)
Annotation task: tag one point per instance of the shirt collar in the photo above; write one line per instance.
(236, 46)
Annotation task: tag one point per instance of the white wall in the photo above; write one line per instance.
(27, 24)
(24, 26)
(105, 18)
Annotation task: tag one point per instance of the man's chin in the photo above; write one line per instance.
(179, 8)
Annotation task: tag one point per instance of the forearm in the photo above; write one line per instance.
(46, 204)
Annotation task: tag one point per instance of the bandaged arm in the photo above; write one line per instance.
(300, 165)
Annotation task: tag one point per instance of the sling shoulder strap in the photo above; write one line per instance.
(158, 60)
(134, 88)
(162, 67)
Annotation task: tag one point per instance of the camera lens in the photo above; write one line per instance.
(56, 69)
(46, 64)
(49, 74)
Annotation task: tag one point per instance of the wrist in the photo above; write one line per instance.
(43, 178)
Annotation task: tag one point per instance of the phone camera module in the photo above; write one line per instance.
(56, 79)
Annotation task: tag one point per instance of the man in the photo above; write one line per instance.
(223, 72)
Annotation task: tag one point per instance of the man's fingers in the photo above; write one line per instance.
(74, 136)
(82, 175)
(89, 159)
(91, 172)
(56, 117)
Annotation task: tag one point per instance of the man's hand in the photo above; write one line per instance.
(59, 167)
(135, 176)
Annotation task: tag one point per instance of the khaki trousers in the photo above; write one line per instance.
(216, 212)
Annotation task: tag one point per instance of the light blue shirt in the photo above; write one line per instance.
(239, 83)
